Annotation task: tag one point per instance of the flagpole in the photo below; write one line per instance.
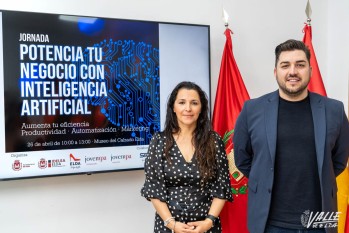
(230, 96)
(316, 84)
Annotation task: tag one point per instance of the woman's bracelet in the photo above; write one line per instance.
(212, 218)
(167, 221)
(174, 226)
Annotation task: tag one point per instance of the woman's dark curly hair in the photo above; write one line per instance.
(203, 138)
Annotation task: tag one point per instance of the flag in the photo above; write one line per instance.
(343, 201)
(346, 230)
(230, 97)
(346, 224)
(316, 85)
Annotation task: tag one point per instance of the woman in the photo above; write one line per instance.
(187, 175)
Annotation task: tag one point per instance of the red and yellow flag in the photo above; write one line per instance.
(316, 85)
(230, 97)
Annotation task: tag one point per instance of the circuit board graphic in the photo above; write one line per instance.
(133, 82)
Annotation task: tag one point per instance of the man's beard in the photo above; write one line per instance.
(290, 91)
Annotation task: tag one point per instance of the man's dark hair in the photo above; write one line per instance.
(291, 45)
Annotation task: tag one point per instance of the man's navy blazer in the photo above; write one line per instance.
(255, 136)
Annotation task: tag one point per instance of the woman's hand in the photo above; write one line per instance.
(199, 226)
(179, 227)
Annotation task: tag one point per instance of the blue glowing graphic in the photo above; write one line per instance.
(133, 82)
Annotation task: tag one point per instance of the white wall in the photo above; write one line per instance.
(111, 202)
(337, 61)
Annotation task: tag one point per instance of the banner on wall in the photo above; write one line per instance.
(80, 94)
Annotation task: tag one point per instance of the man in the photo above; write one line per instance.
(292, 144)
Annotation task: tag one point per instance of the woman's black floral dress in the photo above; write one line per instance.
(179, 184)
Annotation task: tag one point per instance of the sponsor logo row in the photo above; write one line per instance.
(74, 161)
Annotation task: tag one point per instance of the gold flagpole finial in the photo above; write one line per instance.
(308, 13)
